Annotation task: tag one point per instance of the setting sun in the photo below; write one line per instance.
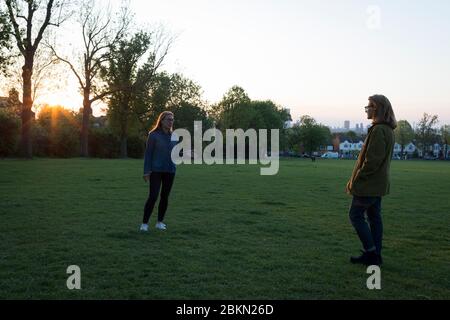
(69, 100)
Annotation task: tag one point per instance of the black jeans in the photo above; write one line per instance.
(158, 179)
(373, 236)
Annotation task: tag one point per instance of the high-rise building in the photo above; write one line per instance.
(347, 124)
(288, 124)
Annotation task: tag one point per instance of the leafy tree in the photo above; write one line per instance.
(404, 134)
(62, 130)
(310, 134)
(352, 135)
(233, 98)
(237, 110)
(426, 131)
(103, 143)
(124, 72)
(5, 42)
(14, 105)
(445, 136)
(186, 113)
(9, 132)
(175, 93)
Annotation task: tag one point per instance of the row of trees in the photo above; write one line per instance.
(123, 131)
(115, 65)
(120, 65)
(424, 135)
(108, 64)
(56, 131)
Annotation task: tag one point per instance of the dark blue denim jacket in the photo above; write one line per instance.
(157, 153)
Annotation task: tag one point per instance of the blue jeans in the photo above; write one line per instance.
(370, 234)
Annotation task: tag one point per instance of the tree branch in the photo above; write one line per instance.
(16, 33)
(44, 24)
(70, 65)
(23, 17)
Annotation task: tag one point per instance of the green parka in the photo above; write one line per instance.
(370, 177)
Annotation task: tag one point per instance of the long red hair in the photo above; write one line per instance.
(161, 117)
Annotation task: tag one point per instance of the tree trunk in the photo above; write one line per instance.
(25, 143)
(87, 111)
(123, 141)
(123, 147)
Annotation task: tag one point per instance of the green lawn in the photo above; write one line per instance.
(232, 234)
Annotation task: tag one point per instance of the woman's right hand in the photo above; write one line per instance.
(147, 177)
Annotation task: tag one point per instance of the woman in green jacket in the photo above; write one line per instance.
(370, 179)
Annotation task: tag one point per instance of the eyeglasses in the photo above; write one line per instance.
(168, 119)
(368, 107)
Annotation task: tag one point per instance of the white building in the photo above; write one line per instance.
(346, 147)
(436, 149)
(410, 148)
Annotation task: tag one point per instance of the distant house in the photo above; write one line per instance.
(351, 146)
(349, 149)
(14, 105)
(446, 148)
(100, 122)
(437, 149)
(410, 148)
(4, 102)
(397, 149)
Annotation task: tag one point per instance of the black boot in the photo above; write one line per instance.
(380, 259)
(367, 258)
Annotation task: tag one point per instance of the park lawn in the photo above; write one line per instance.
(232, 234)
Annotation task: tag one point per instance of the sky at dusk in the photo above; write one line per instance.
(322, 58)
(319, 57)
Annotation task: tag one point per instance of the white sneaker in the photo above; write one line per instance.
(161, 226)
(144, 227)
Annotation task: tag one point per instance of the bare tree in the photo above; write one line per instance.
(45, 77)
(24, 15)
(100, 31)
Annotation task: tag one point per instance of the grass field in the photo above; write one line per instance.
(232, 234)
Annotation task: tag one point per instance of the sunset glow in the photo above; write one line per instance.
(321, 58)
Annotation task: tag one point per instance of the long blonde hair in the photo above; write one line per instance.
(161, 117)
(385, 111)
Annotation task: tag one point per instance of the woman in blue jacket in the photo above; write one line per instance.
(159, 168)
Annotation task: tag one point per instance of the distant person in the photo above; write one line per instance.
(370, 180)
(159, 168)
